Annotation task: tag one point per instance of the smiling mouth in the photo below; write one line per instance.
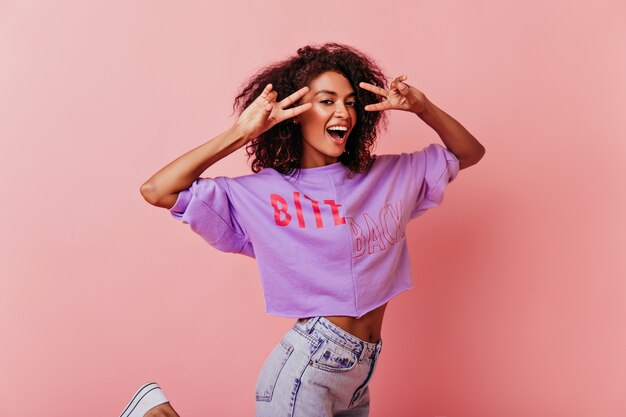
(337, 135)
(337, 138)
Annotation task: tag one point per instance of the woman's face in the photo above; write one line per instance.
(328, 123)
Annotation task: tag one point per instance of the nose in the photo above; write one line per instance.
(341, 109)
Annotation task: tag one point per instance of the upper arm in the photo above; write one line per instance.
(434, 168)
(168, 201)
(206, 206)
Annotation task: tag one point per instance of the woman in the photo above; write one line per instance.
(324, 218)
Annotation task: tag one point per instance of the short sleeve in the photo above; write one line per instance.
(435, 167)
(207, 208)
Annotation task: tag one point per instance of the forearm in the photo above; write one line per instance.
(180, 173)
(456, 138)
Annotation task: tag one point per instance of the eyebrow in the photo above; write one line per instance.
(332, 93)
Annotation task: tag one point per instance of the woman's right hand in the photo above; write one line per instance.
(265, 112)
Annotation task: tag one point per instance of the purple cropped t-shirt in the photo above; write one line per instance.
(325, 244)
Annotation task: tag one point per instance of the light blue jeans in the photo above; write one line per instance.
(317, 370)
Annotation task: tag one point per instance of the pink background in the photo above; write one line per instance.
(520, 304)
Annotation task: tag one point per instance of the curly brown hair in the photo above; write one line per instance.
(280, 147)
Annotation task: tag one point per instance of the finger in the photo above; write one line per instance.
(271, 97)
(398, 79)
(374, 89)
(268, 101)
(293, 98)
(385, 105)
(265, 96)
(403, 88)
(293, 112)
(266, 90)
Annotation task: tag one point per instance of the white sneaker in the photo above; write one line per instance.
(147, 397)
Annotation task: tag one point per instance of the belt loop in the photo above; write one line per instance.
(311, 323)
(363, 351)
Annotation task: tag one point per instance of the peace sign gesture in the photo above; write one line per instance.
(400, 96)
(265, 112)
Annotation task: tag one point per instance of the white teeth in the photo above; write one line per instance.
(341, 128)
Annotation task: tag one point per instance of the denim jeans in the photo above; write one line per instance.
(317, 370)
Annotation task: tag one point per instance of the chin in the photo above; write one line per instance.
(336, 153)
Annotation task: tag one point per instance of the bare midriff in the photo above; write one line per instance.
(367, 328)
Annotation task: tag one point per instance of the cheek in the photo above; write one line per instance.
(319, 113)
(316, 119)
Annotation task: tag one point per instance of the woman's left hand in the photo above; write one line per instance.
(400, 96)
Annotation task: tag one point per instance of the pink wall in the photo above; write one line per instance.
(519, 309)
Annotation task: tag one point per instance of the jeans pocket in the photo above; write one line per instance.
(332, 357)
(271, 369)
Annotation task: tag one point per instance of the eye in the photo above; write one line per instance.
(327, 101)
(351, 103)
